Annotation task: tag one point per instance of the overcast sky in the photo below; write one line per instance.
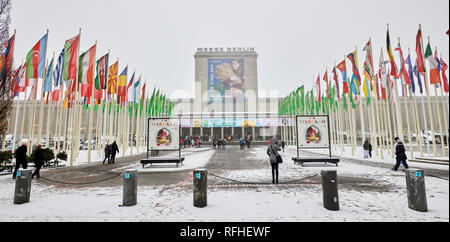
(295, 40)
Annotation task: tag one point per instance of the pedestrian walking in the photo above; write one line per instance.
(283, 144)
(21, 158)
(400, 155)
(223, 143)
(275, 158)
(114, 148)
(38, 160)
(241, 143)
(107, 154)
(366, 149)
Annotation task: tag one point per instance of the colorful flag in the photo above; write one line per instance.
(318, 88)
(48, 78)
(419, 82)
(343, 70)
(71, 48)
(130, 90)
(410, 73)
(112, 78)
(325, 78)
(336, 83)
(444, 77)
(352, 58)
(36, 58)
(102, 73)
(58, 77)
(136, 86)
(122, 85)
(391, 56)
(403, 72)
(8, 57)
(434, 72)
(86, 71)
(419, 50)
(23, 81)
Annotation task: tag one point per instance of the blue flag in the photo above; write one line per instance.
(354, 84)
(416, 72)
(410, 73)
(48, 78)
(58, 72)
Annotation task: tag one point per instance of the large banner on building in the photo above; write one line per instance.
(313, 132)
(226, 80)
(163, 134)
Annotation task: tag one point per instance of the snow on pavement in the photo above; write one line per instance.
(262, 203)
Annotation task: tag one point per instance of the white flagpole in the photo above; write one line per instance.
(416, 123)
(91, 110)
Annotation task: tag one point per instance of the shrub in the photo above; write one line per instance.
(5, 157)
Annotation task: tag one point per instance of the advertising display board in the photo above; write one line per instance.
(226, 79)
(163, 134)
(313, 132)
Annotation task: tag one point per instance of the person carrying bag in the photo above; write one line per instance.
(275, 158)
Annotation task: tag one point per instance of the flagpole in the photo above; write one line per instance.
(138, 120)
(17, 111)
(443, 114)
(91, 108)
(438, 110)
(132, 116)
(416, 115)
(74, 124)
(405, 99)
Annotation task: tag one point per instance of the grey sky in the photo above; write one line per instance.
(295, 40)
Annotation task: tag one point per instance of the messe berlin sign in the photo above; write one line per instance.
(313, 131)
(163, 134)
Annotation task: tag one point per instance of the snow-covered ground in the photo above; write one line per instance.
(257, 203)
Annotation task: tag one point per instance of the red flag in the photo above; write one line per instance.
(419, 49)
(343, 69)
(444, 78)
(318, 88)
(403, 73)
(325, 78)
(336, 82)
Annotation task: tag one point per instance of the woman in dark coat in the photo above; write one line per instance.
(272, 152)
(21, 158)
(38, 160)
(400, 155)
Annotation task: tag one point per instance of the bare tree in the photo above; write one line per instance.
(5, 81)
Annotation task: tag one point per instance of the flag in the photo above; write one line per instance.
(36, 58)
(71, 47)
(58, 77)
(336, 83)
(352, 58)
(22, 80)
(391, 56)
(354, 85)
(112, 78)
(122, 85)
(419, 50)
(15, 82)
(48, 78)
(86, 71)
(318, 88)
(102, 72)
(434, 72)
(136, 86)
(410, 73)
(403, 71)
(130, 90)
(444, 77)
(343, 70)
(325, 78)
(8, 57)
(419, 82)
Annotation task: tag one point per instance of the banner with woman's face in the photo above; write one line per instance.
(226, 80)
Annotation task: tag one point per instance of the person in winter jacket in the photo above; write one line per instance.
(366, 149)
(38, 160)
(107, 154)
(283, 144)
(21, 158)
(113, 149)
(400, 154)
(272, 152)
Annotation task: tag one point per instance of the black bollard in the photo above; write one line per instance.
(200, 187)
(330, 190)
(130, 187)
(415, 185)
(23, 186)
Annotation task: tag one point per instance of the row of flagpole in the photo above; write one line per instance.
(78, 76)
(383, 112)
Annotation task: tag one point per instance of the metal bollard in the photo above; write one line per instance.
(23, 186)
(130, 187)
(200, 187)
(415, 185)
(330, 190)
